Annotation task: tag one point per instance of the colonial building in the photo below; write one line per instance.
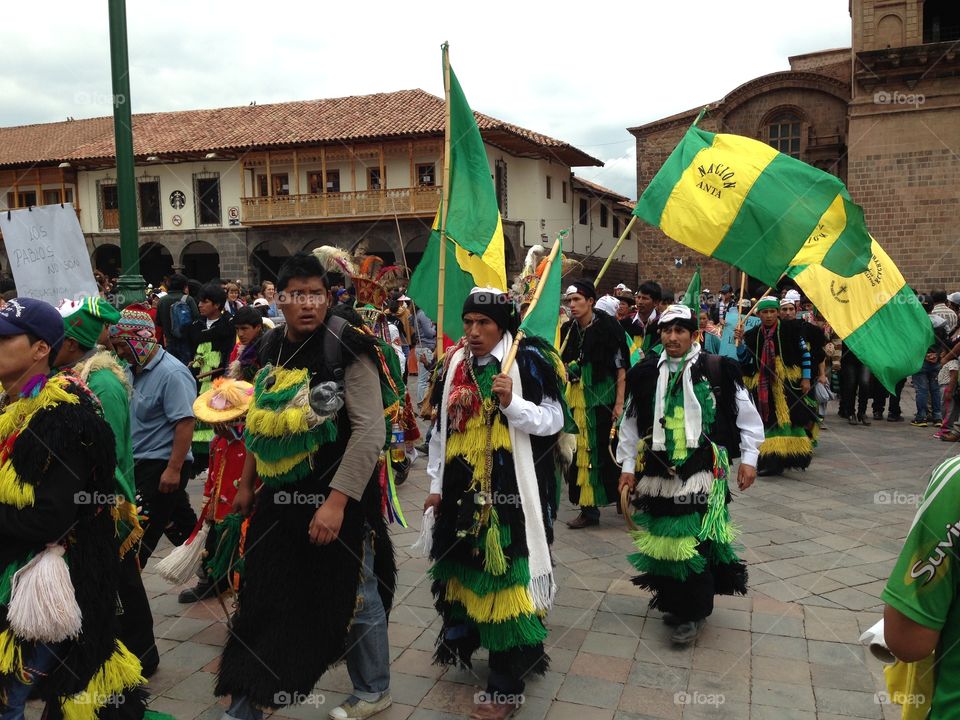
(231, 192)
(884, 116)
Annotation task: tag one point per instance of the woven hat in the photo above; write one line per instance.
(135, 328)
(226, 401)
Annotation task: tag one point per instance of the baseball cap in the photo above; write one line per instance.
(726, 288)
(261, 302)
(24, 315)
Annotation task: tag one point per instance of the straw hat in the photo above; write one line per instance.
(227, 401)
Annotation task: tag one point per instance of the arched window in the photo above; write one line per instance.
(783, 133)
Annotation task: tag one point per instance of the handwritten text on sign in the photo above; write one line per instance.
(48, 254)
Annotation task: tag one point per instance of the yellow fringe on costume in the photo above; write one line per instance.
(122, 671)
(493, 607)
(11, 655)
(286, 379)
(12, 491)
(16, 417)
(471, 444)
(126, 512)
(911, 685)
(292, 421)
(577, 401)
(781, 407)
(280, 467)
(674, 549)
(786, 445)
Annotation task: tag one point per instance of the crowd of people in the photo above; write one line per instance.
(300, 404)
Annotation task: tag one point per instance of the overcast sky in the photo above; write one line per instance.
(582, 72)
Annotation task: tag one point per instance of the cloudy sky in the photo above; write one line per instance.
(581, 72)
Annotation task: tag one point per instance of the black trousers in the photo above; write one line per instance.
(854, 386)
(136, 621)
(880, 396)
(168, 514)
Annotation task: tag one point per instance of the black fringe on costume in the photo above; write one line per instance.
(79, 434)
(298, 599)
(604, 339)
(781, 462)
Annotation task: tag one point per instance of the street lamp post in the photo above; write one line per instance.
(131, 285)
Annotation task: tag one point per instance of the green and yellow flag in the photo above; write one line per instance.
(691, 298)
(543, 319)
(474, 232)
(875, 312)
(742, 202)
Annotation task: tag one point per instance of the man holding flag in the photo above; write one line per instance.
(492, 461)
(596, 356)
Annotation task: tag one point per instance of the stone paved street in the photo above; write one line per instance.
(820, 545)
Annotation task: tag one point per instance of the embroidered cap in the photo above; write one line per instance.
(767, 303)
(26, 315)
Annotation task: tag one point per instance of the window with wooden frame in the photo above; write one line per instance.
(374, 181)
(549, 189)
(604, 216)
(584, 212)
(281, 184)
(52, 197)
(315, 181)
(616, 226)
(22, 199)
(563, 191)
(783, 133)
(108, 204)
(427, 175)
(148, 202)
(206, 199)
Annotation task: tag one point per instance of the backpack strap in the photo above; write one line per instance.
(333, 347)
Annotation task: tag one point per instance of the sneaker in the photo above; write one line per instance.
(864, 420)
(894, 418)
(919, 423)
(852, 420)
(353, 708)
(671, 620)
(936, 421)
(687, 632)
(878, 416)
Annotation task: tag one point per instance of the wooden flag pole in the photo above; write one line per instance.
(623, 236)
(441, 284)
(743, 318)
(551, 258)
(603, 269)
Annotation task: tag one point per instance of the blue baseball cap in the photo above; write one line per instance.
(24, 315)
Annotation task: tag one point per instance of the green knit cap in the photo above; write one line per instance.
(84, 319)
(768, 303)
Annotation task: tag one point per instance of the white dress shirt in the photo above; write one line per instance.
(748, 422)
(522, 415)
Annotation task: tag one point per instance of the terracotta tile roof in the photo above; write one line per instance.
(382, 116)
(593, 188)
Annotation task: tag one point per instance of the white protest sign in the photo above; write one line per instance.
(47, 252)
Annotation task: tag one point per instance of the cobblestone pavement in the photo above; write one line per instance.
(819, 543)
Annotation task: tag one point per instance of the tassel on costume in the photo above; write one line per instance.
(225, 557)
(43, 602)
(494, 561)
(716, 521)
(183, 562)
(424, 543)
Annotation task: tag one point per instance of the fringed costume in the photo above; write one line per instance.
(298, 599)
(684, 542)
(592, 356)
(774, 361)
(51, 513)
(493, 467)
(213, 345)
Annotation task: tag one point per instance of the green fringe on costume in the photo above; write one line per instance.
(272, 449)
(6, 578)
(670, 525)
(679, 570)
(225, 558)
(499, 637)
(480, 582)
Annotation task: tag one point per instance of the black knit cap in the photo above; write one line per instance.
(584, 287)
(494, 304)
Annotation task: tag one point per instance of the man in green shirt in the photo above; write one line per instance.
(922, 596)
(84, 324)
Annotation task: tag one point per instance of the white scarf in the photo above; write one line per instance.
(692, 414)
(542, 586)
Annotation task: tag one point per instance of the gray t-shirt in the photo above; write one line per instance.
(163, 394)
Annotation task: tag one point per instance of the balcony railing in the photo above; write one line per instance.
(364, 204)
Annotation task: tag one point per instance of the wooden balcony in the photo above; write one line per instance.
(337, 207)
